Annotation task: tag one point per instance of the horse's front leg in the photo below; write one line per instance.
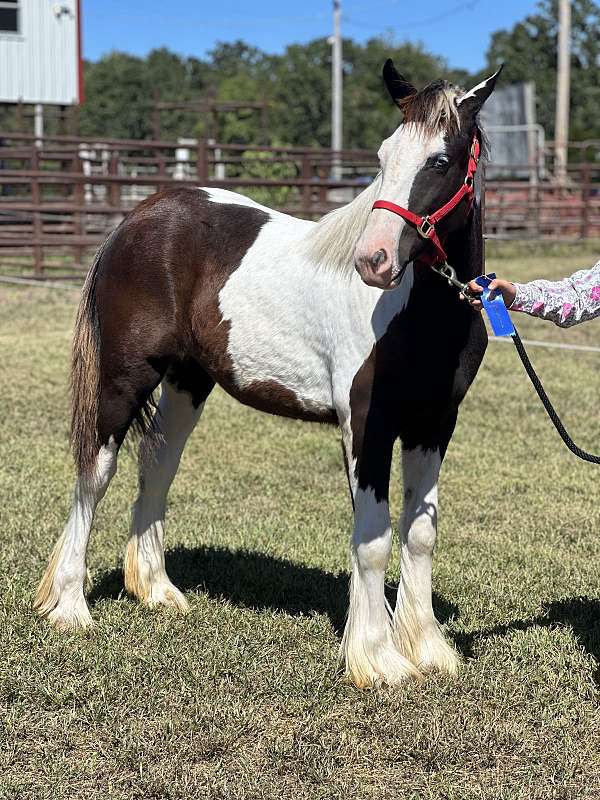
(369, 653)
(415, 626)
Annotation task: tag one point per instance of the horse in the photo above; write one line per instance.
(337, 321)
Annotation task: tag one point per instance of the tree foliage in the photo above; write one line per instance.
(120, 90)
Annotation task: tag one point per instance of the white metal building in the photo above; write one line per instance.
(517, 141)
(40, 52)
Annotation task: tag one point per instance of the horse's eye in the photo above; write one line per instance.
(440, 162)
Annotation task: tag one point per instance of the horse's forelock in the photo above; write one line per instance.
(434, 108)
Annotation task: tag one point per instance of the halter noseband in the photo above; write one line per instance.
(426, 225)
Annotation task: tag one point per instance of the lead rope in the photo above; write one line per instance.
(550, 410)
(447, 272)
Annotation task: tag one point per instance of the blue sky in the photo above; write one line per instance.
(459, 31)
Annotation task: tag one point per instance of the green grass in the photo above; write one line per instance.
(239, 699)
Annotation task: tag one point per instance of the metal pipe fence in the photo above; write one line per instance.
(58, 200)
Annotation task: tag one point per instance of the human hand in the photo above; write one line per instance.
(496, 287)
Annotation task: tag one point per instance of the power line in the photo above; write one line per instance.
(254, 22)
(468, 5)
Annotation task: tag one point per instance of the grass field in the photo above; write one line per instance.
(239, 699)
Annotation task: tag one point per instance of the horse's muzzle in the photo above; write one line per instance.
(379, 270)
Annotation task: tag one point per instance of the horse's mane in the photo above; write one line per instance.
(332, 241)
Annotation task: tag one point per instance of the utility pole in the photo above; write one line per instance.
(563, 83)
(336, 89)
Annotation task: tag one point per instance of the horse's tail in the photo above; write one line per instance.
(85, 374)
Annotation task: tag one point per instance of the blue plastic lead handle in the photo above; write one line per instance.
(495, 309)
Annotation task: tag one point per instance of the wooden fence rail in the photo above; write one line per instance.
(59, 197)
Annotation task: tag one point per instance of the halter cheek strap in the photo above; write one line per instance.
(426, 225)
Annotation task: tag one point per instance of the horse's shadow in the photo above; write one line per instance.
(258, 581)
(581, 614)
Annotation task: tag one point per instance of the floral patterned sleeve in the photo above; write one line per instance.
(567, 302)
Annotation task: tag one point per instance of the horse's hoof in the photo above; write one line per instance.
(384, 666)
(66, 619)
(165, 594)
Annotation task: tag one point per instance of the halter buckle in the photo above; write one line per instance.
(426, 228)
(469, 181)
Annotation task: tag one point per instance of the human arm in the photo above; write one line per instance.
(566, 302)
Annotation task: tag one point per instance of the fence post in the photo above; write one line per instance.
(114, 191)
(323, 175)
(202, 162)
(532, 186)
(79, 217)
(161, 168)
(306, 173)
(36, 198)
(585, 197)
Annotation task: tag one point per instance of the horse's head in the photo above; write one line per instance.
(423, 164)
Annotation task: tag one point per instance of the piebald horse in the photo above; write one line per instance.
(338, 321)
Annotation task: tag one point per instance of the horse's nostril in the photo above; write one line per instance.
(378, 258)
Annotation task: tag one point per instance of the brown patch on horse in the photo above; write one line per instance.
(211, 331)
(274, 398)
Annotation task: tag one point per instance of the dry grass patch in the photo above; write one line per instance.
(239, 698)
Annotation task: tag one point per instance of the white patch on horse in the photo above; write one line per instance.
(460, 99)
(383, 230)
(471, 93)
(307, 329)
(228, 197)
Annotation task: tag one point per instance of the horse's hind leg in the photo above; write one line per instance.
(60, 595)
(415, 625)
(180, 407)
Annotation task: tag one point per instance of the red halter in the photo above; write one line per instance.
(426, 225)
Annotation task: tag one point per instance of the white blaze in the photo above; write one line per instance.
(402, 156)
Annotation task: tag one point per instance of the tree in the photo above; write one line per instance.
(172, 78)
(121, 90)
(301, 90)
(302, 94)
(243, 73)
(529, 51)
(369, 115)
(118, 103)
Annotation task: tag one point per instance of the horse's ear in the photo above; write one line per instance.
(470, 103)
(397, 85)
